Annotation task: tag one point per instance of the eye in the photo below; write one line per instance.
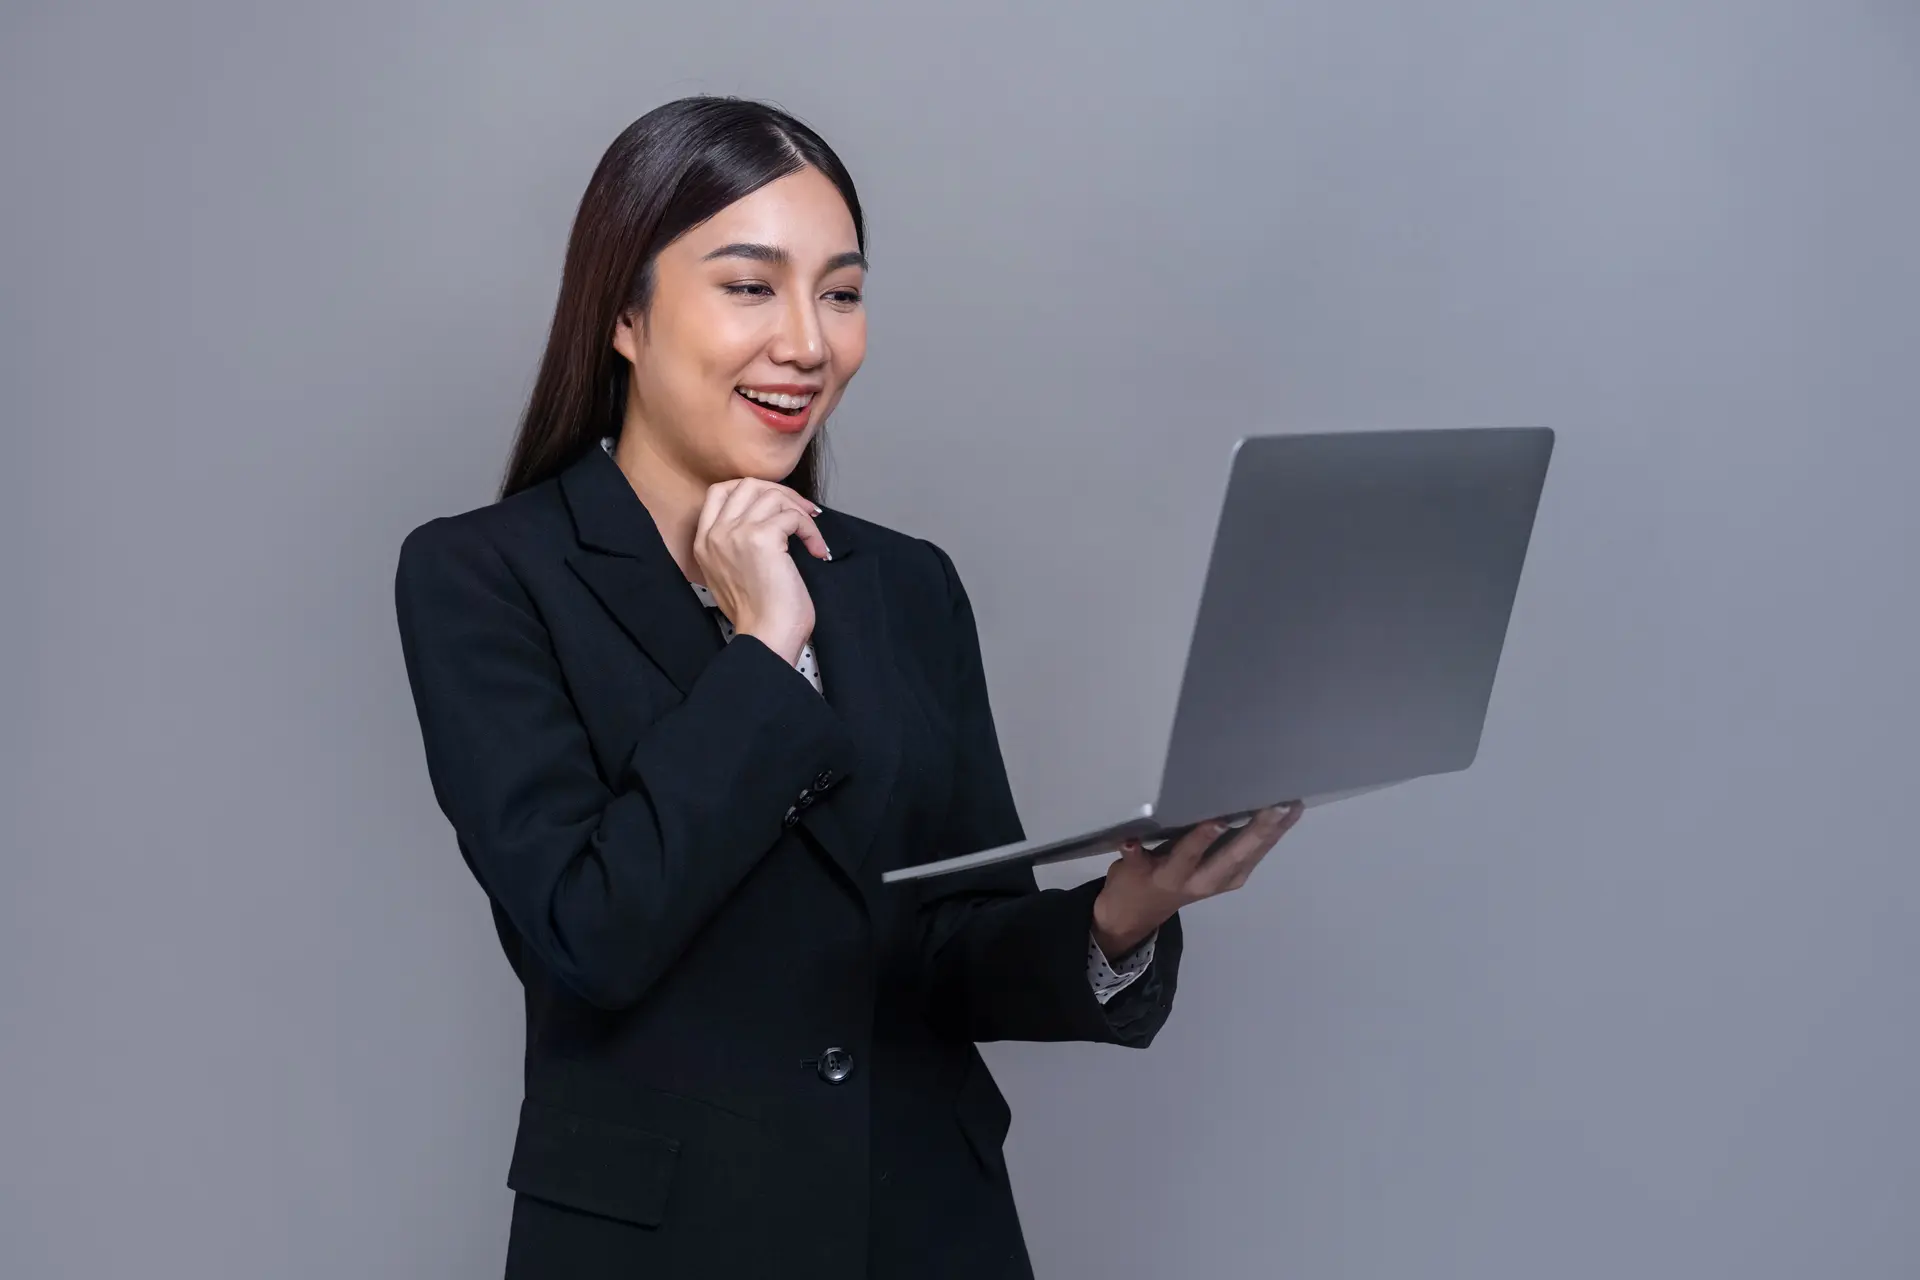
(749, 289)
(845, 297)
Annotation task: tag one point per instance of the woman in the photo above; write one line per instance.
(678, 752)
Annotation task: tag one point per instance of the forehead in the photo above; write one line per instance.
(802, 212)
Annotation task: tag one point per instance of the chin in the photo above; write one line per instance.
(775, 463)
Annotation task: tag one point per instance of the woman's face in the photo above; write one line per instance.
(756, 325)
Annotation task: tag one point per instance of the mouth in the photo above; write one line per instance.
(783, 410)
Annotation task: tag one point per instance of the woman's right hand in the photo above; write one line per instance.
(740, 545)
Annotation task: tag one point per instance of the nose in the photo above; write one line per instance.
(799, 341)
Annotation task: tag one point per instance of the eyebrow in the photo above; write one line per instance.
(779, 257)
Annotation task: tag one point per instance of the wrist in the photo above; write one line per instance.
(785, 641)
(1117, 930)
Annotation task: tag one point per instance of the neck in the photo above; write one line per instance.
(671, 496)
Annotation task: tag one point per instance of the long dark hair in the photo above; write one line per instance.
(670, 170)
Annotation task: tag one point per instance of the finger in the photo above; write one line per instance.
(1240, 874)
(755, 500)
(1218, 865)
(1238, 879)
(760, 490)
(1138, 860)
(1183, 859)
(746, 492)
(717, 495)
(790, 522)
(1234, 861)
(806, 504)
(773, 496)
(1276, 821)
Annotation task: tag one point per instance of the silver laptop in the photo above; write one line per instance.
(1355, 605)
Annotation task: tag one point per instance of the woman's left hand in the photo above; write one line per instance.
(1144, 889)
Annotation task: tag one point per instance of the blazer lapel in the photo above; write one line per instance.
(625, 563)
(850, 643)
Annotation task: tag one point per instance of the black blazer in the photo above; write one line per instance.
(745, 1056)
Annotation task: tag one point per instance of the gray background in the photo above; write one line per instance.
(1634, 996)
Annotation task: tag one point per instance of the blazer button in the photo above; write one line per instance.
(792, 817)
(835, 1065)
(824, 781)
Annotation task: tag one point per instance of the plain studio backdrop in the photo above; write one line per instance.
(1639, 994)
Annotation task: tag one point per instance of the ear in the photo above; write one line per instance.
(626, 336)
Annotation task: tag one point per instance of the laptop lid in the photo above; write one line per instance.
(1355, 605)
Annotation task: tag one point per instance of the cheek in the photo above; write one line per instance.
(847, 344)
(707, 349)
(849, 341)
(728, 347)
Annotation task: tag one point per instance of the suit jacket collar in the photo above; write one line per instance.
(625, 563)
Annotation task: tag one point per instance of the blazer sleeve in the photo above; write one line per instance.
(605, 879)
(1005, 959)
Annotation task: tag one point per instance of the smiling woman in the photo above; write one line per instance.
(682, 719)
(725, 238)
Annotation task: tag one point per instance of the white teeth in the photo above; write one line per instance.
(776, 400)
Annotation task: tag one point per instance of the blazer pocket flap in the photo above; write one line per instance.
(984, 1113)
(596, 1165)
